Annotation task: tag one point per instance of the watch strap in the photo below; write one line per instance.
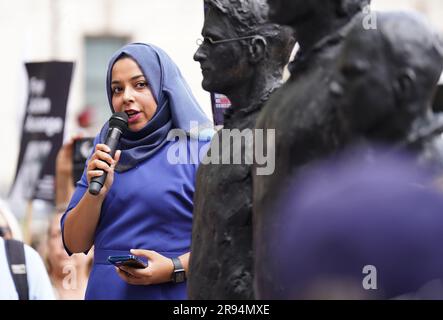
(178, 275)
(177, 264)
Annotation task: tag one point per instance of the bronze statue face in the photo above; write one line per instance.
(362, 87)
(386, 77)
(224, 64)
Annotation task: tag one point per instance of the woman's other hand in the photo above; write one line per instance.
(159, 269)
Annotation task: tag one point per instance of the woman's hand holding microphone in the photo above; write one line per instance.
(100, 162)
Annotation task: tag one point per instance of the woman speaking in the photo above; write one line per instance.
(145, 202)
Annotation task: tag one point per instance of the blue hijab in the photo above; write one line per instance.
(176, 105)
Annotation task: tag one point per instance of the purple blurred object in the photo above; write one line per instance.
(359, 211)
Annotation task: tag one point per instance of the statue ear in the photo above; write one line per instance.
(404, 85)
(257, 49)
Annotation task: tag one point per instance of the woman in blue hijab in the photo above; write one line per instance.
(146, 202)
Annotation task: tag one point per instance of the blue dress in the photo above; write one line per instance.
(148, 207)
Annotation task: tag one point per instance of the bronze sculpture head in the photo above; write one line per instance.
(387, 77)
(238, 40)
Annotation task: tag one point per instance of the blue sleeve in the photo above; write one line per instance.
(81, 187)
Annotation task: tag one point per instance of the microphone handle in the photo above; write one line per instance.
(112, 141)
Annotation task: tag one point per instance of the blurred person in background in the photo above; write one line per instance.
(64, 175)
(5, 231)
(68, 275)
(9, 227)
(22, 272)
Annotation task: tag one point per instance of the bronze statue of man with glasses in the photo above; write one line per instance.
(242, 56)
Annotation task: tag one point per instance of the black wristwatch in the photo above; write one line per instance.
(178, 275)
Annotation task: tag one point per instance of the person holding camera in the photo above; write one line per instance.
(146, 201)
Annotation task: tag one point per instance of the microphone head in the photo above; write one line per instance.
(119, 120)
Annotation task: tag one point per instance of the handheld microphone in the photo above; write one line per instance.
(117, 125)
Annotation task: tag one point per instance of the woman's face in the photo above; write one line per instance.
(131, 93)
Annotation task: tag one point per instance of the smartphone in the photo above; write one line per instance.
(127, 261)
(82, 150)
